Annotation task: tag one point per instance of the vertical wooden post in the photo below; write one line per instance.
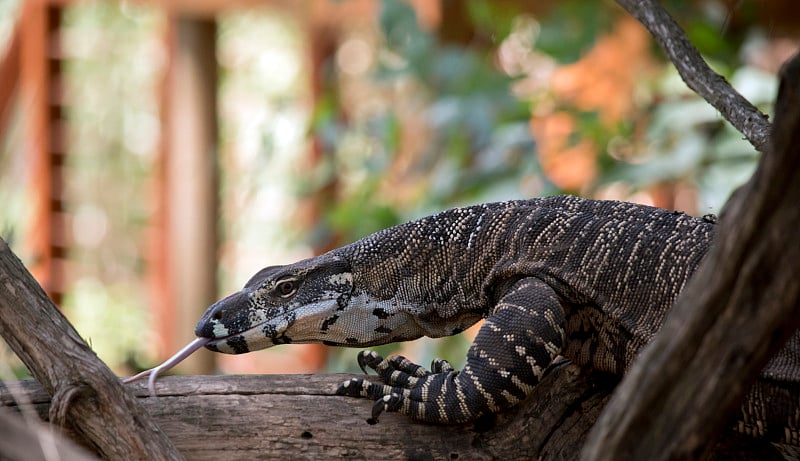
(186, 245)
(45, 145)
(322, 45)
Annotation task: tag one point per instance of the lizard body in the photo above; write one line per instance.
(588, 280)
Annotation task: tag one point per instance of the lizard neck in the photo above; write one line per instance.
(425, 277)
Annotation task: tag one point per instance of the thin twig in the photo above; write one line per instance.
(711, 86)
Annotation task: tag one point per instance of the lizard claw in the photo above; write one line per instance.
(390, 402)
(384, 398)
(353, 387)
(368, 359)
(441, 366)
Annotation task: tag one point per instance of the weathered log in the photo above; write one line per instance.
(300, 417)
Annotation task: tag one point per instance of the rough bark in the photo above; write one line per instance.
(711, 86)
(737, 311)
(87, 396)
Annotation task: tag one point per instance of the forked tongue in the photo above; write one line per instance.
(179, 357)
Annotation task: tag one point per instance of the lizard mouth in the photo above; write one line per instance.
(216, 332)
(242, 341)
(226, 341)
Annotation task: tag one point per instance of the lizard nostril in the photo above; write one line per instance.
(217, 315)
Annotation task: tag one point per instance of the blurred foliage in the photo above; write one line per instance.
(111, 54)
(571, 29)
(475, 146)
(262, 122)
(476, 122)
(453, 133)
(111, 63)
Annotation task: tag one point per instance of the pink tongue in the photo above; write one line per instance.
(168, 364)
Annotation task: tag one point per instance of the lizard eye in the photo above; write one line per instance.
(286, 288)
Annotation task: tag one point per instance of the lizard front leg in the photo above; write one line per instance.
(520, 338)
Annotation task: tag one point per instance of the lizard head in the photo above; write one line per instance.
(279, 305)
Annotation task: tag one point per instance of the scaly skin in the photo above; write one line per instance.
(589, 280)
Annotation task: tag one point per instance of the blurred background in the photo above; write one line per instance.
(155, 154)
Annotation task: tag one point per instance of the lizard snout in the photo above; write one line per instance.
(225, 317)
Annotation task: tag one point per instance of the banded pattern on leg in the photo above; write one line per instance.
(521, 337)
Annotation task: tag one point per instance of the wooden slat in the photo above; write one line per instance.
(40, 72)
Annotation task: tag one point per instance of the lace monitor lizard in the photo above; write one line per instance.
(589, 280)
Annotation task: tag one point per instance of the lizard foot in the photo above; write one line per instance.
(403, 380)
(387, 368)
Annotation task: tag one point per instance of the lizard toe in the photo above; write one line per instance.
(387, 403)
(441, 366)
(402, 364)
(400, 372)
(394, 371)
(354, 387)
(369, 359)
(357, 387)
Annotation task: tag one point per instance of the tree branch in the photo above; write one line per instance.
(711, 86)
(734, 314)
(88, 397)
